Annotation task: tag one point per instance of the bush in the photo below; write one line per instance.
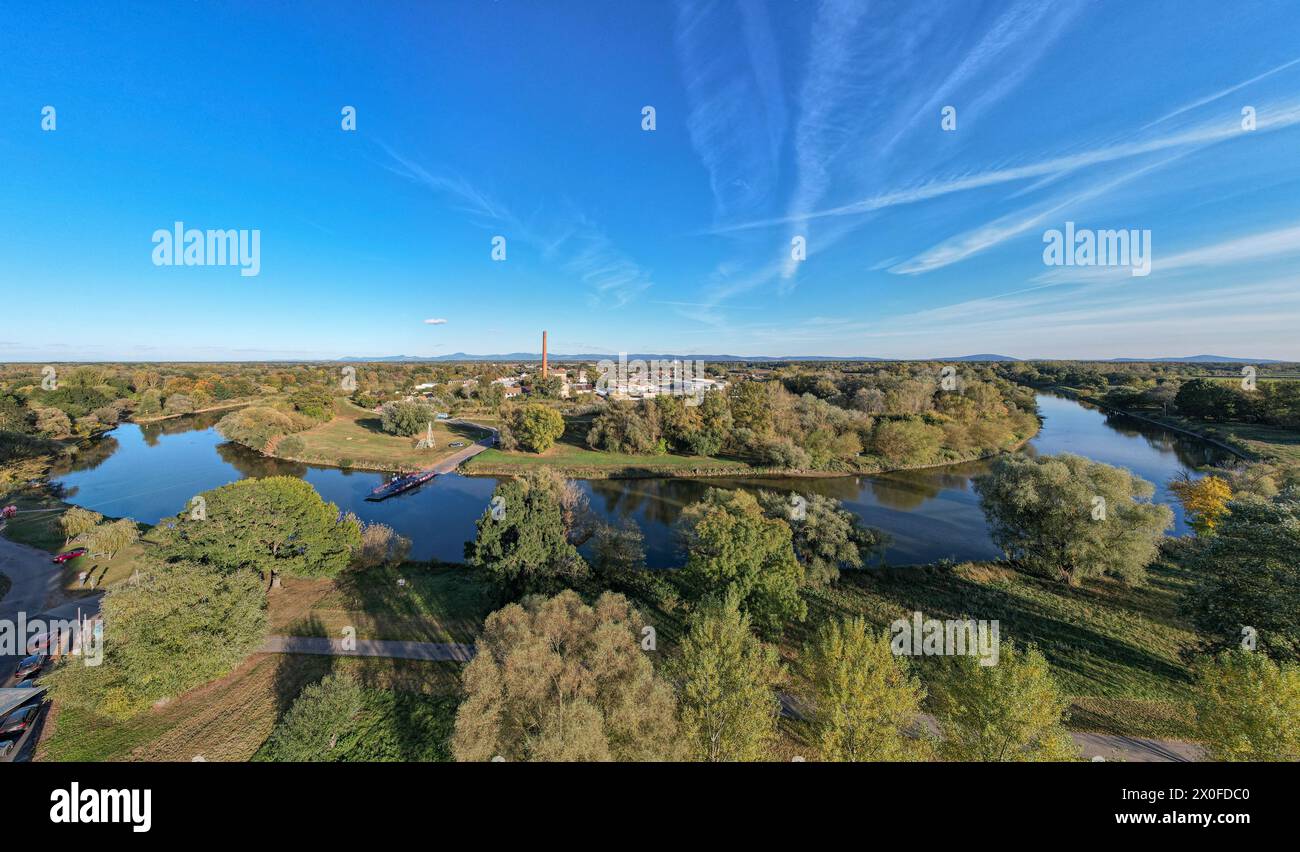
(406, 418)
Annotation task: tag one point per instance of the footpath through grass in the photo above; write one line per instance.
(410, 706)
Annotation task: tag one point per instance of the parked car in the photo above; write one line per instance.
(19, 721)
(8, 511)
(30, 666)
(71, 554)
(7, 747)
(455, 444)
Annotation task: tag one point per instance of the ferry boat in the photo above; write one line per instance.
(398, 484)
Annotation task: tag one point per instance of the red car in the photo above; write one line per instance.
(71, 554)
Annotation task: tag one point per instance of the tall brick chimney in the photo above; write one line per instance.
(544, 366)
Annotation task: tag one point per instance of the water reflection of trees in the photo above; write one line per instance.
(255, 465)
(151, 432)
(90, 455)
(1189, 451)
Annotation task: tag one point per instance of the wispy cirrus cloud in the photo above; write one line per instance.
(1014, 224)
(437, 321)
(1276, 117)
(737, 112)
(1222, 93)
(571, 240)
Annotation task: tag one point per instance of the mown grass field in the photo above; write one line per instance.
(354, 439)
(437, 604)
(410, 705)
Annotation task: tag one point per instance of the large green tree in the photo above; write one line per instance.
(175, 626)
(733, 548)
(1248, 577)
(1071, 518)
(522, 542)
(1007, 712)
(554, 679)
(727, 682)
(536, 427)
(273, 525)
(310, 730)
(826, 537)
(864, 701)
(1248, 707)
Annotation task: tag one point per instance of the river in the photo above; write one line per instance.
(150, 472)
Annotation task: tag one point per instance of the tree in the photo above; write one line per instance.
(554, 679)
(77, 521)
(176, 626)
(178, 403)
(1248, 577)
(715, 424)
(727, 681)
(1204, 501)
(53, 423)
(1007, 712)
(492, 395)
(908, 441)
(751, 407)
(863, 699)
(1071, 518)
(310, 730)
(733, 549)
(626, 427)
(1206, 399)
(380, 545)
(109, 539)
(255, 426)
(1248, 707)
(536, 427)
(272, 526)
(826, 537)
(522, 542)
(406, 418)
(618, 553)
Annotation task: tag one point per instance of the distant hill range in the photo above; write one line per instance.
(632, 356)
(1200, 359)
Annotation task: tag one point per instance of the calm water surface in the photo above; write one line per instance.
(150, 472)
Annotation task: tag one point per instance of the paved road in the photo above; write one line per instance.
(35, 582)
(454, 460)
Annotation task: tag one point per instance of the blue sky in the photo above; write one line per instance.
(819, 120)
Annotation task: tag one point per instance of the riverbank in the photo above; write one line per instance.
(578, 463)
(144, 421)
(1283, 444)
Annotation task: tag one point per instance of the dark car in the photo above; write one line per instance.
(19, 721)
(29, 666)
(71, 554)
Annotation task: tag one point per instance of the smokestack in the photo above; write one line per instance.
(544, 367)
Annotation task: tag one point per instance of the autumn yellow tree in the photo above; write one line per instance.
(1204, 501)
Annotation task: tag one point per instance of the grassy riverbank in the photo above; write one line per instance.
(353, 439)
(571, 457)
(1253, 441)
